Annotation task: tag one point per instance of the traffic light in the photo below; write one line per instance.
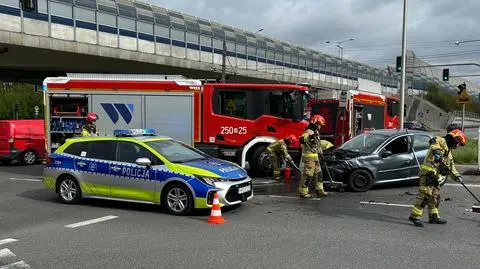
(446, 72)
(399, 63)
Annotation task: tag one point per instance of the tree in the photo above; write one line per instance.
(24, 96)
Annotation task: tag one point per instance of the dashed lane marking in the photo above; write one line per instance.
(6, 253)
(385, 204)
(16, 265)
(88, 222)
(7, 240)
(293, 197)
(25, 179)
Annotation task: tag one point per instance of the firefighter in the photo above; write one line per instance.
(279, 149)
(438, 162)
(311, 151)
(90, 129)
(325, 144)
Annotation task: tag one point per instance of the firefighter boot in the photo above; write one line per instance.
(436, 220)
(321, 193)
(416, 222)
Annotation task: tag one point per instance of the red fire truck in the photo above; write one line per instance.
(229, 121)
(349, 113)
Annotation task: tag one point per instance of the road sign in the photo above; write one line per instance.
(343, 99)
(464, 97)
(36, 108)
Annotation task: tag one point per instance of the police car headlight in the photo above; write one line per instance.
(208, 180)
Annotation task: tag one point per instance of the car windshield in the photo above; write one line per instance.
(176, 152)
(365, 143)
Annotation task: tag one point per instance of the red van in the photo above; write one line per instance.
(22, 140)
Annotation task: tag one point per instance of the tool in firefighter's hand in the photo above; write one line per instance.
(290, 161)
(334, 184)
(447, 169)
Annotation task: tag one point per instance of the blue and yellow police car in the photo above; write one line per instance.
(137, 165)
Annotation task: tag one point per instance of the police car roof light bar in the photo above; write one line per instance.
(134, 132)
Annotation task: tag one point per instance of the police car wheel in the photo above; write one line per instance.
(177, 199)
(69, 190)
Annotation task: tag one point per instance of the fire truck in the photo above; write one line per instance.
(349, 113)
(234, 122)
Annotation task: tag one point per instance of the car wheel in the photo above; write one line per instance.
(442, 180)
(29, 157)
(69, 190)
(360, 181)
(259, 161)
(177, 199)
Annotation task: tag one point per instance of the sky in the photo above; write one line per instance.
(433, 26)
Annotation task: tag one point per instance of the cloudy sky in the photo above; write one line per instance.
(375, 25)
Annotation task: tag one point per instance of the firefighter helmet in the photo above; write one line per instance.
(291, 139)
(317, 119)
(92, 117)
(459, 137)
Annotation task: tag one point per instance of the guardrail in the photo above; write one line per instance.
(468, 114)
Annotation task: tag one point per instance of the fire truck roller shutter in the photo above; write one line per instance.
(171, 115)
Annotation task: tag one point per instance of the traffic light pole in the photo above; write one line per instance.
(404, 61)
(463, 117)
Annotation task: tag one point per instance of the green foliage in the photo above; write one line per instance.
(23, 95)
(467, 154)
(447, 100)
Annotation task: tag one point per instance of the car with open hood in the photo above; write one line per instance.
(378, 157)
(136, 165)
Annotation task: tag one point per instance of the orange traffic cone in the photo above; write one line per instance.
(216, 213)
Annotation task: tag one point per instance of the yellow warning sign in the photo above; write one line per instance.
(464, 97)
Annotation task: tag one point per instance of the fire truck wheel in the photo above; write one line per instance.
(258, 162)
(360, 181)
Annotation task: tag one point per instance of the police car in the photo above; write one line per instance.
(137, 165)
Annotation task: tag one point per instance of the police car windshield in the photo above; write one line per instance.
(176, 152)
(364, 143)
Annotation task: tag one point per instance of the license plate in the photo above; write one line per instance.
(244, 189)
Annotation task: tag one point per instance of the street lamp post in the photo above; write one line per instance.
(458, 42)
(339, 46)
(404, 61)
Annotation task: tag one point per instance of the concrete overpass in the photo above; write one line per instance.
(59, 36)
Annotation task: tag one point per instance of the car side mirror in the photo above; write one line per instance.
(387, 154)
(143, 162)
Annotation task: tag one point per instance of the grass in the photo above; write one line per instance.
(467, 154)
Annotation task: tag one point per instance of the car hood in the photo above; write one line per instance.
(339, 154)
(213, 167)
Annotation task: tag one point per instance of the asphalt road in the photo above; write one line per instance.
(274, 230)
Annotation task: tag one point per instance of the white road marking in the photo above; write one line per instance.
(16, 265)
(460, 185)
(387, 204)
(25, 179)
(83, 223)
(293, 197)
(6, 253)
(7, 240)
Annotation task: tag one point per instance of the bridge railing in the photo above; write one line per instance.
(468, 114)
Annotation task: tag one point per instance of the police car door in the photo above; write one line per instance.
(132, 181)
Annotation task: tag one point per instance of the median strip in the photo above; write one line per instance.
(88, 222)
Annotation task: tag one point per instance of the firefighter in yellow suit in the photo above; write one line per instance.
(279, 149)
(311, 151)
(324, 144)
(438, 162)
(90, 129)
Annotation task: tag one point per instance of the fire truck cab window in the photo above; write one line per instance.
(233, 104)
